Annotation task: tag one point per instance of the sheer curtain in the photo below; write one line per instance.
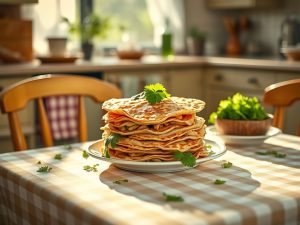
(174, 10)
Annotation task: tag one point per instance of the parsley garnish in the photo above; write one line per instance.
(273, 153)
(154, 93)
(92, 168)
(226, 165)
(44, 169)
(172, 198)
(120, 181)
(85, 154)
(112, 140)
(218, 182)
(186, 158)
(58, 156)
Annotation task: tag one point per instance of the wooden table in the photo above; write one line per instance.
(259, 189)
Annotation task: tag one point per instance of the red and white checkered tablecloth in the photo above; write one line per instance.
(258, 190)
(62, 113)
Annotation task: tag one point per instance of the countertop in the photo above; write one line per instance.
(111, 64)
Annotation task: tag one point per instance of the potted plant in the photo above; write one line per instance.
(241, 115)
(195, 41)
(93, 26)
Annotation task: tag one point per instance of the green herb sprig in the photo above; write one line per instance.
(153, 93)
(186, 158)
(58, 156)
(92, 168)
(226, 165)
(121, 181)
(219, 182)
(111, 141)
(85, 154)
(272, 153)
(239, 107)
(44, 169)
(172, 198)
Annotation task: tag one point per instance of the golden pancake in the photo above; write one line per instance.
(141, 110)
(150, 157)
(121, 120)
(143, 129)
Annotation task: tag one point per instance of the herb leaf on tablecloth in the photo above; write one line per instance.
(172, 198)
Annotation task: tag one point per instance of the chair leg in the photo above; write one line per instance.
(18, 137)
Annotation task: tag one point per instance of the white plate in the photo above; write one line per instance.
(244, 140)
(157, 167)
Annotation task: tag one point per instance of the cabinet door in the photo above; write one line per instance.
(132, 83)
(185, 83)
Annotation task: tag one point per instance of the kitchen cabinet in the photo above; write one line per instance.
(238, 4)
(18, 1)
(183, 82)
(133, 82)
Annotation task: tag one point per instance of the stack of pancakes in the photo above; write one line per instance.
(154, 132)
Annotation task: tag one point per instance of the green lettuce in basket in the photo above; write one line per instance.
(239, 107)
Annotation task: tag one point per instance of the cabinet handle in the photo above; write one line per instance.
(219, 77)
(252, 80)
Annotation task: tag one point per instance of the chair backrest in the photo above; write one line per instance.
(16, 97)
(282, 95)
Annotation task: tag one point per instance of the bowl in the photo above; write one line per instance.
(292, 53)
(243, 127)
(134, 55)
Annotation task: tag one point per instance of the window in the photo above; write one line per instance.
(129, 14)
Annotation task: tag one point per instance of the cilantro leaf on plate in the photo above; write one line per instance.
(186, 158)
(111, 141)
(172, 198)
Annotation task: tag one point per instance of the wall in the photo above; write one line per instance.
(265, 29)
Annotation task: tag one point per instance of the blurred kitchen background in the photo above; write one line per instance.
(207, 49)
(260, 25)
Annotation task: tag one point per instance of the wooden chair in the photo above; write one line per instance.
(16, 97)
(282, 95)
